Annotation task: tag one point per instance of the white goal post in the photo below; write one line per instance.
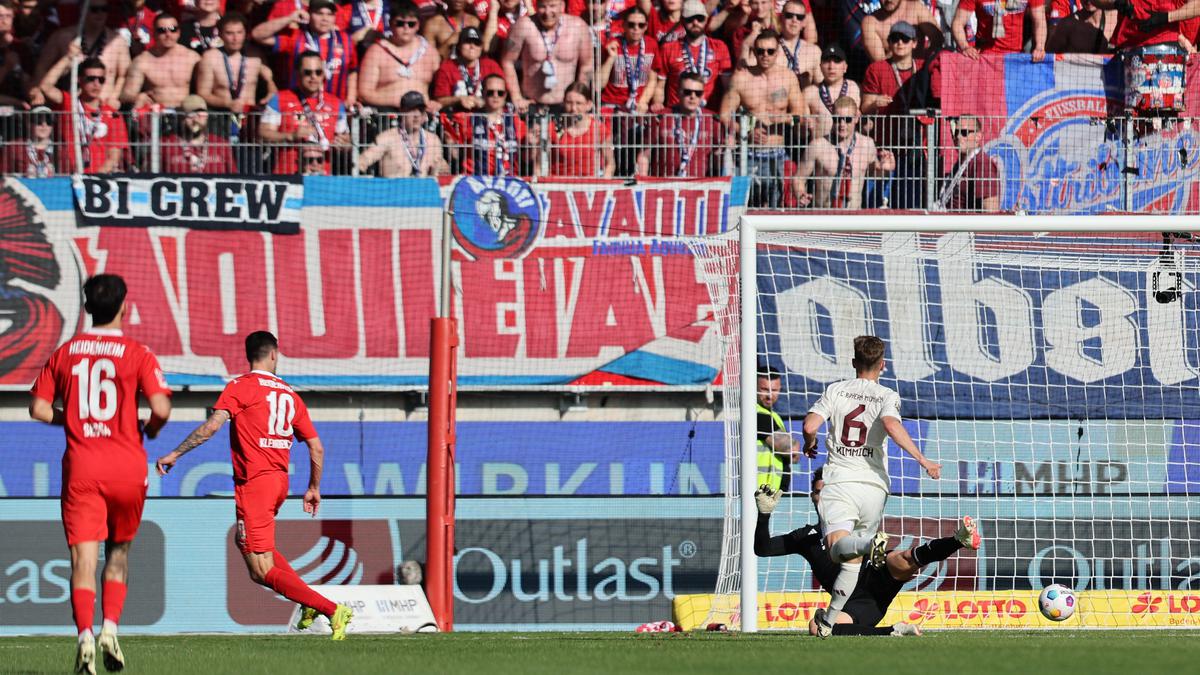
(1066, 315)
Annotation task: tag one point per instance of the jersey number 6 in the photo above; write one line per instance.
(850, 421)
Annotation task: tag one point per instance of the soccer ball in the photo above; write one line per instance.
(1057, 602)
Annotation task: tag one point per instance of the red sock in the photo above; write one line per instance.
(113, 600)
(288, 584)
(282, 563)
(83, 606)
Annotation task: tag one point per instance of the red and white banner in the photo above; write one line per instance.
(582, 283)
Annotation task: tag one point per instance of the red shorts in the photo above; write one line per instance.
(94, 510)
(257, 501)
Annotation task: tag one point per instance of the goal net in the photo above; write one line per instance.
(1053, 375)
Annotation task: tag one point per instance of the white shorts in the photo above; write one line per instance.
(852, 507)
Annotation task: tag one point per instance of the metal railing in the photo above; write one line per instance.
(910, 162)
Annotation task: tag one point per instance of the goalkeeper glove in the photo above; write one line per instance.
(767, 499)
(1156, 20)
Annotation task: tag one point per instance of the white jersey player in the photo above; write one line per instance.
(861, 413)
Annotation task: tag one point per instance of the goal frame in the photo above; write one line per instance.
(751, 224)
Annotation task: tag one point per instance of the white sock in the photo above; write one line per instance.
(110, 626)
(843, 586)
(85, 634)
(854, 545)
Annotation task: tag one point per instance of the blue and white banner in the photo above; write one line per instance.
(1047, 126)
(982, 326)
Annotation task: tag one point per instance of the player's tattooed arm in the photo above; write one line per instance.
(198, 436)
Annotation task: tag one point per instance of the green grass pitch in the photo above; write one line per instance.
(1049, 653)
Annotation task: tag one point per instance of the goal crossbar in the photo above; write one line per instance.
(937, 222)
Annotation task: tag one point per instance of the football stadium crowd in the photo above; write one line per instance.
(821, 101)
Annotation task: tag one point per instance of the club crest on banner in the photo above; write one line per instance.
(495, 217)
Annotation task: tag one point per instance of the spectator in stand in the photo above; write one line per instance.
(839, 169)
(313, 161)
(628, 81)
(1189, 34)
(886, 89)
(973, 183)
(200, 33)
(15, 60)
(834, 85)
(877, 27)
(364, 19)
(1151, 22)
(100, 42)
(1058, 11)
(409, 149)
(458, 84)
(850, 16)
(803, 57)
(613, 12)
(285, 8)
(402, 63)
(31, 24)
(304, 115)
(161, 75)
(227, 77)
(136, 25)
(741, 19)
(892, 89)
(742, 40)
(321, 35)
(1004, 37)
(684, 142)
(597, 20)
(666, 22)
(1082, 32)
(34, 156)
(501, 16)
(491, 141)
(194, 149)
(103, 138)
(769, 92)
(442, 30)
(554, 49)
(627, 73)
(578, 137)
(697, 53)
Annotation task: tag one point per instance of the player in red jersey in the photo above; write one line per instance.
(97, 375)
(267, 414)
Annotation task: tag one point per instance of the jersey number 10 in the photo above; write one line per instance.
(283, 409)
(97, 391)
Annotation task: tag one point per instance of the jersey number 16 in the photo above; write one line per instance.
(97, 391)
